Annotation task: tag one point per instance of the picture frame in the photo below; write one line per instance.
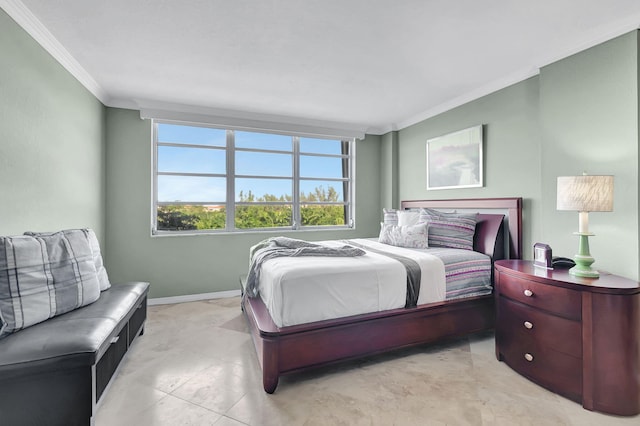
(542, 256)
(455, 160)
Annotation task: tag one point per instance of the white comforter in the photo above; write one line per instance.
(298, 290)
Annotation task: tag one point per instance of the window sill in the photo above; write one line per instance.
(278, 231)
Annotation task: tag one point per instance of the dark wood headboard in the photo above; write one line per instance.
(494, 214)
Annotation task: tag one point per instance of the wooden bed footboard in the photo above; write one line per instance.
(296, 348)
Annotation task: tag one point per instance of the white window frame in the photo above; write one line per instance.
(231, 203)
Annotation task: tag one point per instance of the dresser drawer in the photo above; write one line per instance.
(562, 301)
(532, 326)
(554, 370)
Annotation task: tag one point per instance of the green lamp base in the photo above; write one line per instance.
(583, 259)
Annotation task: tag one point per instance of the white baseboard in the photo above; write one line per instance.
(193, 297)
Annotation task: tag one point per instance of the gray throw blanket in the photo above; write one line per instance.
(283, 246)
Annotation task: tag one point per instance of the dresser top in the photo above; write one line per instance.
(606, 283)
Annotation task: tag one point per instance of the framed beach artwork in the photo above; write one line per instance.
(455, 160)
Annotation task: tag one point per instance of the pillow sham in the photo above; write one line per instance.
(451, 230)
(415, 236)
(44, 276)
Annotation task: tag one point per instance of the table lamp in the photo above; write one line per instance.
(585, 194)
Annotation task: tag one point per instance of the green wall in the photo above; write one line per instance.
(389, 191)
(183, 265)
(589, 120)
(511, 151)
(52, 141)
(579, 114)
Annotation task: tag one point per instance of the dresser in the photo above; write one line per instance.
(578, 337)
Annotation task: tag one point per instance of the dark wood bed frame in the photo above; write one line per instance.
(283, 350)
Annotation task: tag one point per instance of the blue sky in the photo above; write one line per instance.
(210, 189)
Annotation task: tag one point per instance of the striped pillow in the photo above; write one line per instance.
(390, 216)
(44, 276)
(452, 230)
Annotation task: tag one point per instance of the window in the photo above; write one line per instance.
(209, 179)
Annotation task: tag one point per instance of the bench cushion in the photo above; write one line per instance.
(75, 338)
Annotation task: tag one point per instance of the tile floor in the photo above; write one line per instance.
(196, 365)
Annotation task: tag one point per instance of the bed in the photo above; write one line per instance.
(293, 348)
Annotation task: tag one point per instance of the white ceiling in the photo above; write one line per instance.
(371, 65)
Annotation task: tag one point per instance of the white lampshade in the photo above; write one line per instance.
(585, 193)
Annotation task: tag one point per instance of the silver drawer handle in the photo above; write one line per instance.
(528, 293)
(528, 325)
(528, 357)
(115, 340)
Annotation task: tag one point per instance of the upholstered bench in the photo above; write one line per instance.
(54, 372)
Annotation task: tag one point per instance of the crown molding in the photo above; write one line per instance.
(596, 36)
(478, 93)
(383, 130)
(32, 25)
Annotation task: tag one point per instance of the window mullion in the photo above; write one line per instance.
(295, 197)
(154, 207)
(351, 198)
(231, 182)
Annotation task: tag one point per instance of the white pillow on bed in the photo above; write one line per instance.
(401, 217)
(408, 217)
(415, 236)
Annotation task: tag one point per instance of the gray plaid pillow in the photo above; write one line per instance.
(103, 278)
(44, 276)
